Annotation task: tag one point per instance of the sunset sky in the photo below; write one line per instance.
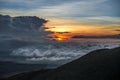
(81, 17)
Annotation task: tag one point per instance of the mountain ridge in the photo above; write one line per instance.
(100, 64)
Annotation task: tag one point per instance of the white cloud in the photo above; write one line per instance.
(61, 52)
(99, 20)
(105, 18)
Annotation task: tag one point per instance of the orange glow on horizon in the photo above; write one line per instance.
(78, 28)
(59, 37)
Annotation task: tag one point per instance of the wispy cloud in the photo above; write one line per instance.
(75, 9)
(102, 19)
(61, 8)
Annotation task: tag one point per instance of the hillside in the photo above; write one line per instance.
(11, 68)
(101, 64)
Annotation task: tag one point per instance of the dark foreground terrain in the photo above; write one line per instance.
(101, 64)
(11, 68)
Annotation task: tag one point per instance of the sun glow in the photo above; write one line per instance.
(64, 29)
(59, 37)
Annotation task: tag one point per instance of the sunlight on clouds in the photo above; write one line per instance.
(83, 28)
(75, 16)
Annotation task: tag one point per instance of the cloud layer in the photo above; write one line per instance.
(58, 52)
(61, 8)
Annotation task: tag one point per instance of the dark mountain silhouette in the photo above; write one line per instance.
(101, 64)
(11, 68)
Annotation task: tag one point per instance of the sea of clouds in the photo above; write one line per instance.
(57, 53)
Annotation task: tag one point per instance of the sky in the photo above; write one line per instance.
(78, 17)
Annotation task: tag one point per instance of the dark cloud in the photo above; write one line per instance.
(21, 23)
(117, 30)
(62, 32)
(27, 28)
(116, 36)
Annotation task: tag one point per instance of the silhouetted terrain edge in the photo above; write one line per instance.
(101, 64)
(11, 68)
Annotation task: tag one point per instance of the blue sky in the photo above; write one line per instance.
(61, 8)
(67, 13)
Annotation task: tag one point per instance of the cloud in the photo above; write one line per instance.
(29, 4)
(61, 8)
(47, 53)
(118, 30)
(80, 9)
(27, 23)
(77, 8)
(57, 52)
(98, 37)
(26, 28)
(102, 19)
(62, 32)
